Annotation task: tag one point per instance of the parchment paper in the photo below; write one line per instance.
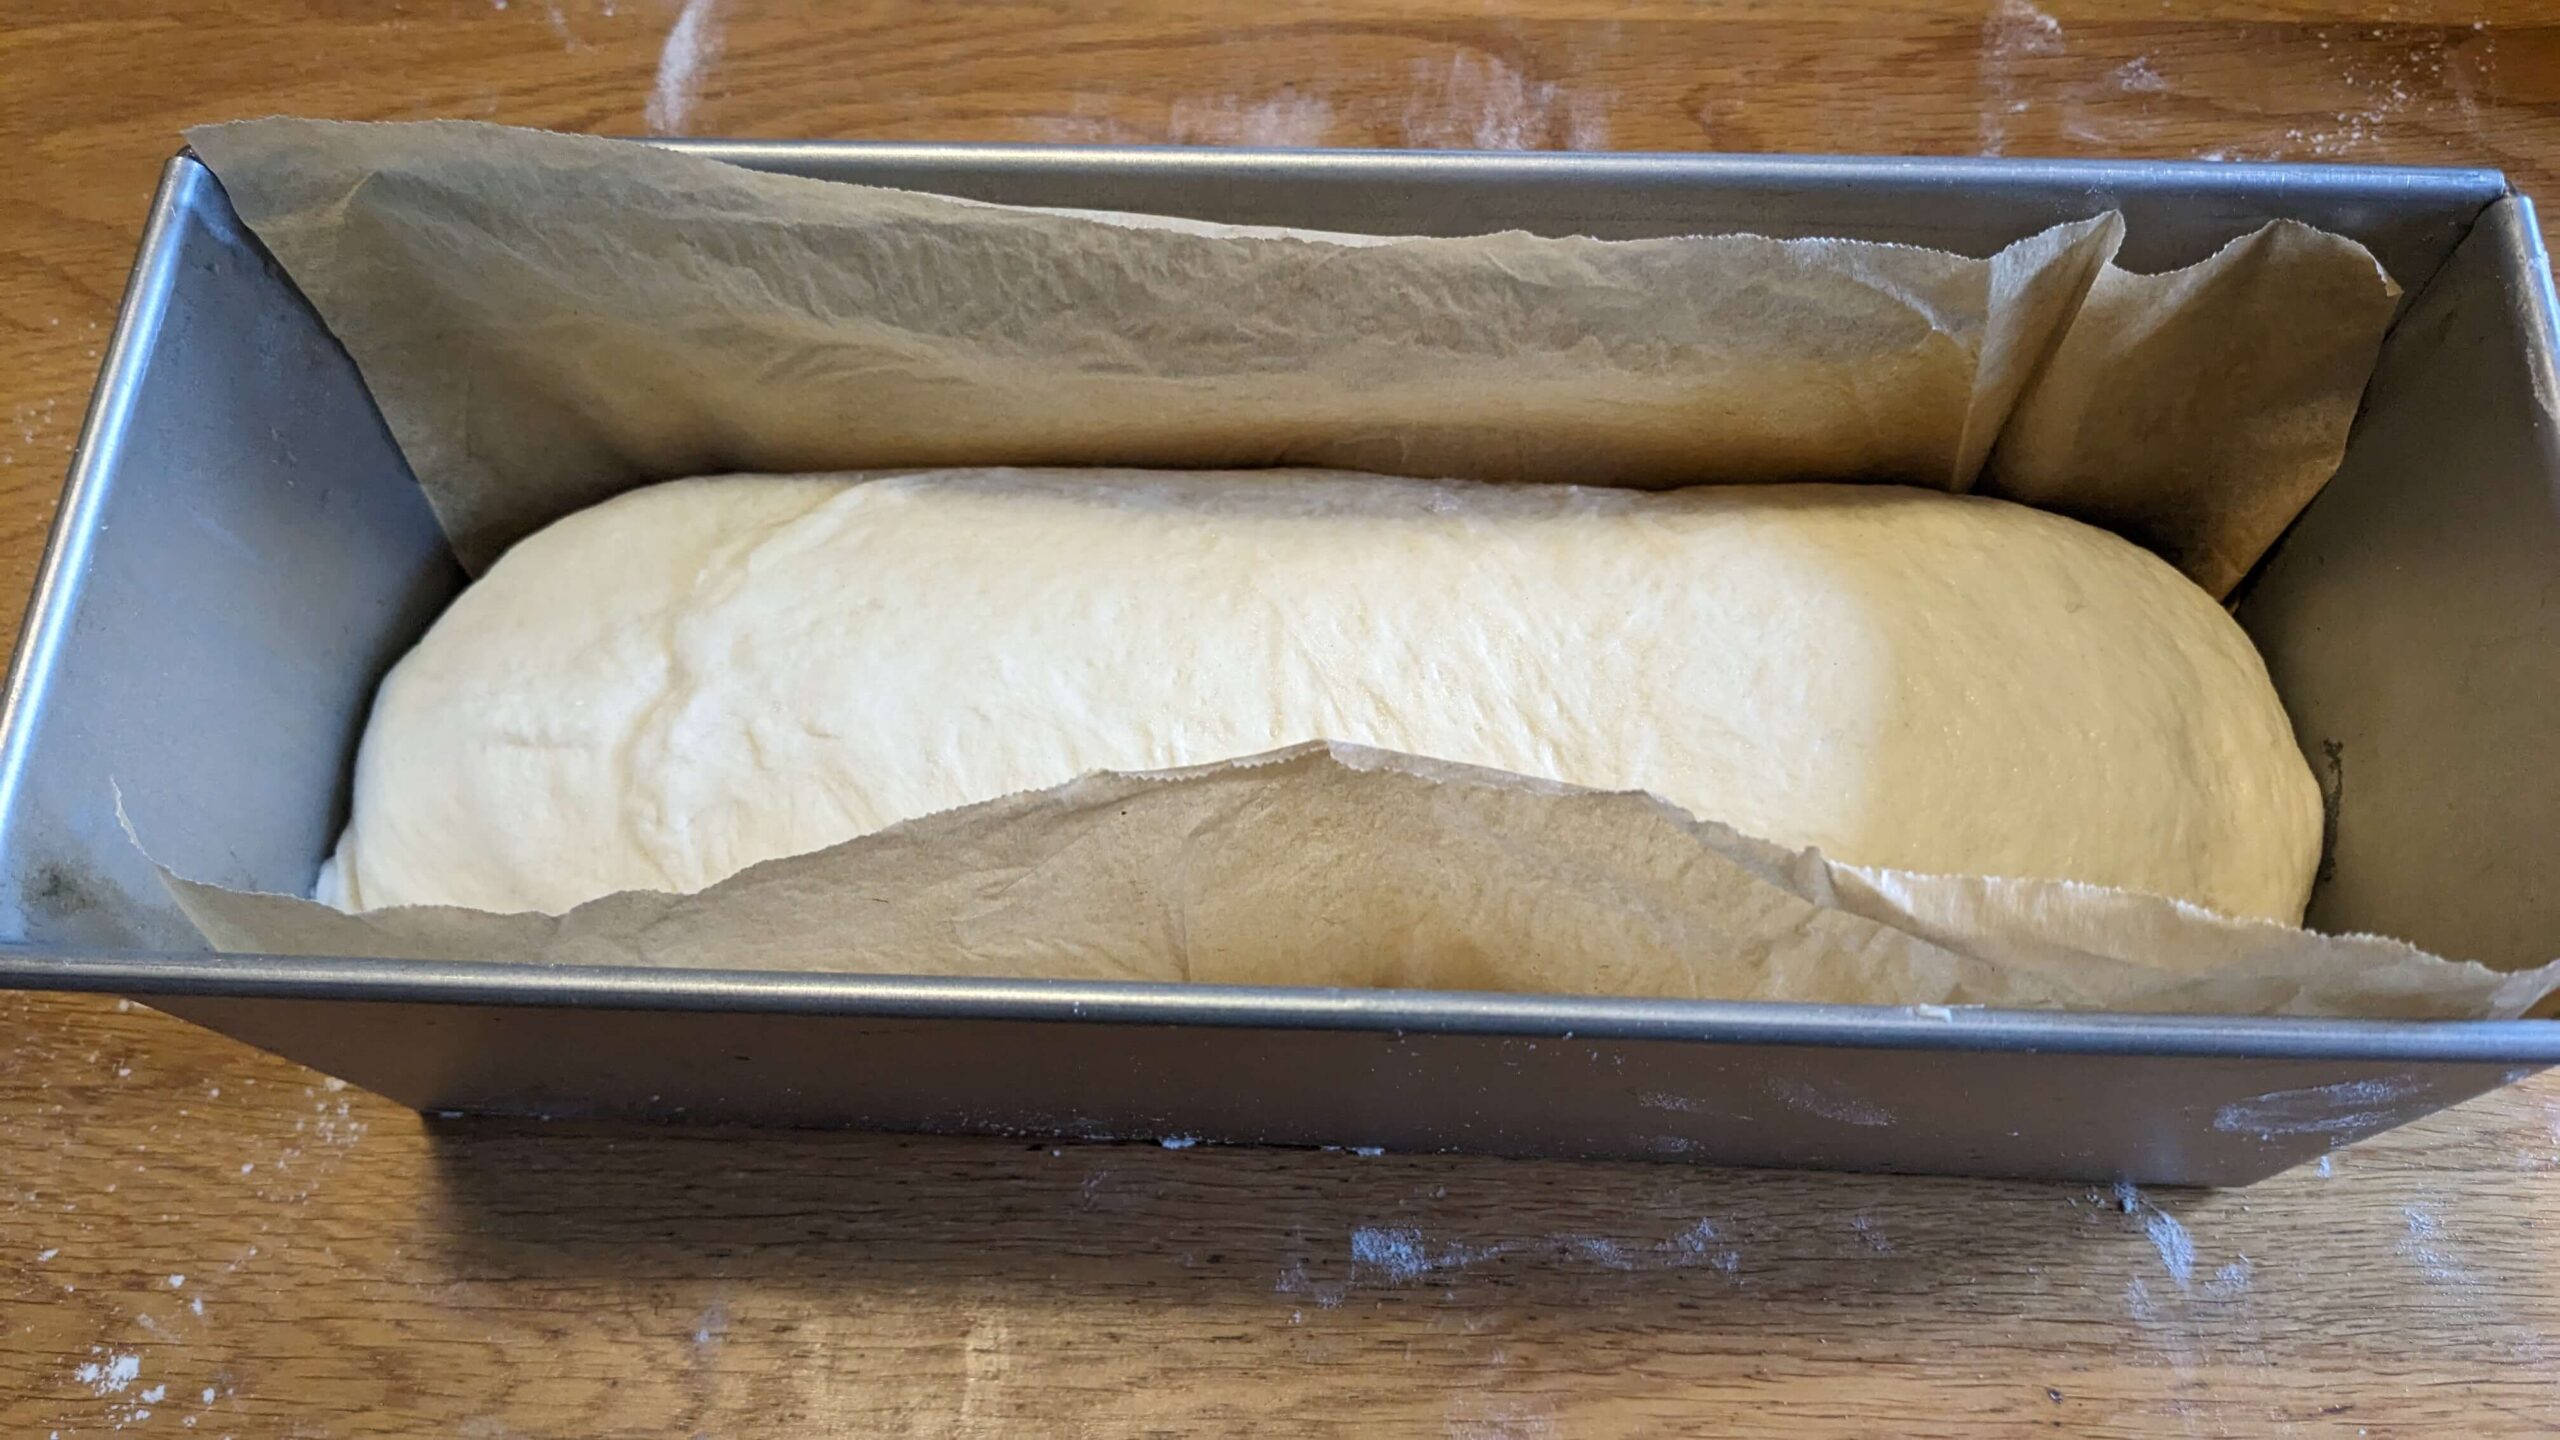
(1341, 865)
(549, 320)
(2197, 412)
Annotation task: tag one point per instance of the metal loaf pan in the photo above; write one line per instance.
(241, 552)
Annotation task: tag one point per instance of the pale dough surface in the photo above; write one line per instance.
(662, 690)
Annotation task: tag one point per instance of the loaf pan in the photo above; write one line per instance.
(241, 553)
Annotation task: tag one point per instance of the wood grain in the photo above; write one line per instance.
(198, 1238)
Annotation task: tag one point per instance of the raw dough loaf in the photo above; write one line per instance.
(688, 679)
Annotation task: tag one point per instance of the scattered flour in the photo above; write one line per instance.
(2427, 1246)
(1287, 120)
(1402, 1254)
(1478, 101)
(111, 1376)
(2137, 77)
(1814, 1100)
(1873, 1234)
(2177, 1248)
(2013, 32)
(1472, 1415)
(2350, 1107)
(2232, 1279)
(2412, 77)
(693, 46)
(559, 24)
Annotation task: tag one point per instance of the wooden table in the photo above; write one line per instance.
(195, 1237)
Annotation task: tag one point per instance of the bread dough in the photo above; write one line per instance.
(669, 687)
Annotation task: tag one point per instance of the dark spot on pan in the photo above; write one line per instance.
(58, 890)
(65, 900)
(2332, 776)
